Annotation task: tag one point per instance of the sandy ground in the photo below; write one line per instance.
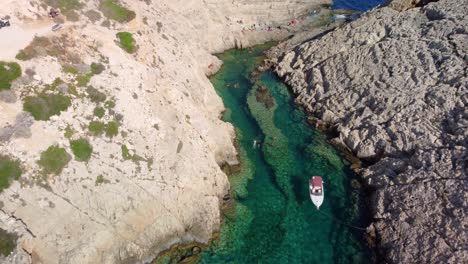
(17, 37)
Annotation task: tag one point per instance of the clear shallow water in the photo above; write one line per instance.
(361, 5)
(273, 220)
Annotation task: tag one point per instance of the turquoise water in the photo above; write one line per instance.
(273, 219)
(361, 5)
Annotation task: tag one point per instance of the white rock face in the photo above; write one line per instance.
(169, 114)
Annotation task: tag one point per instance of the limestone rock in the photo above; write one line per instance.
(124, 207)
(396, 83)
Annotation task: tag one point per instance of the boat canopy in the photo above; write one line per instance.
(317, 181)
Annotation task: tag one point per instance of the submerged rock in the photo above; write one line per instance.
(393, 85)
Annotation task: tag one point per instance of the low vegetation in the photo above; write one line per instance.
(67, 7)
(126, 155)
(114, 11)
(9, 71)
(70, 69)
(97, 68)
(100, 180)
(54, 159)
(31, 51)
(7, 242)
(43, 106)
(126, 41)
(109, 104)
(82, 149)
(112, 129)
(68, 132)
(96, 128)
(95, 95)
(10, 170)
(59, 46)
(83, 80)
(99, 112)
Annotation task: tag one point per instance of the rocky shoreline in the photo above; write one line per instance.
(128, 81)
(391, 87)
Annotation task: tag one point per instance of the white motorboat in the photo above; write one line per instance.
(316, 190)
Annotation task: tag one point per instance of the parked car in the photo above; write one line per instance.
(4, 23)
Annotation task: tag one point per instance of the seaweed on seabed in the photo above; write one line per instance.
(263, 95)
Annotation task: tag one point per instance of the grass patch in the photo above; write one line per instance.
(83, 80)
(9, 71)
(100, 180)
(7, 242)
(125, 153)
(109, 104)
(112, 10)
(95, 95)
(126, 41)
(97, 68)
(99, 112)
(68, 132)
(10, 170)
(112, 129)
(127, 156)
(67, 7)
(54, 159)
(96, 128)
(31, 51)
(43, 106)
(22, 55)
(81, 149)
(70, 69)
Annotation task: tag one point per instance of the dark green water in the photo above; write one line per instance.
(273, 219)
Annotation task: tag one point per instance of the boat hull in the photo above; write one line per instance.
(317, 200)
(316, 191)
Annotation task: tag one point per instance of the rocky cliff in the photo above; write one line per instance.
(113, 129)
(392, 88)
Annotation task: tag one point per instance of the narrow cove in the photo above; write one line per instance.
(271, 218)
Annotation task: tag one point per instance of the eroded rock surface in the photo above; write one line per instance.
(155, 182)
(392, 85)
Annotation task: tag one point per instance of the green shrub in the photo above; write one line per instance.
(95, 95)
(54, 159)
(112, 129)
(65, 5)
(70, 69)
(22, 56)
(81, 149)
(99, 111)
(97, 68)
(9, 170)
(100, 180)
(125, 153)
(43, 106)
(127, 156)
(96, 128)
(83, 80)
(68, 132)
(112, 10)
(9, 71)
(109, 104)
(126, 41)
(7, 242)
